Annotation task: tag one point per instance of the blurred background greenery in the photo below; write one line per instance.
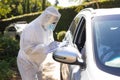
(12, 11)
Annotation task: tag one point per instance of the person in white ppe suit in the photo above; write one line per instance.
(36, 42)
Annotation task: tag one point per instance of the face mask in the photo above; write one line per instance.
(51, 27)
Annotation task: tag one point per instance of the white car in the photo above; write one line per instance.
(93, 52)
(14, 30)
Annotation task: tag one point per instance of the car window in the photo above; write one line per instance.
(76, 32)
(80, 34)
(107, 40)
(74, 25)
(71, 31)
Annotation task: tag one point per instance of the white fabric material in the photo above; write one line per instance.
(27, 70)
(34, 43)
(52, 46)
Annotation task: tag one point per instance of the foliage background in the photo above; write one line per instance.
(10, 8)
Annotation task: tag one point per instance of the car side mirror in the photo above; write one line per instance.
(68, 55)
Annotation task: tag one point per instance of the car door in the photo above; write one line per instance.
(79, 41)
(76, 37)
(65, 68)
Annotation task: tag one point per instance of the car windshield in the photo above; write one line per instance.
(107, 39)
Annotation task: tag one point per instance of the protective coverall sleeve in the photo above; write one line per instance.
(35, 51)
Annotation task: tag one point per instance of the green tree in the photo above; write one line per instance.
(10, 8)
(4, 8)
(56, 2)
(43, 4)
(20, 9)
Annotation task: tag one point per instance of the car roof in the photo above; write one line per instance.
(101, 11)
(106, 11)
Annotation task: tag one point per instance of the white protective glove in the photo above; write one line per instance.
(52, 46)
(63, 44)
